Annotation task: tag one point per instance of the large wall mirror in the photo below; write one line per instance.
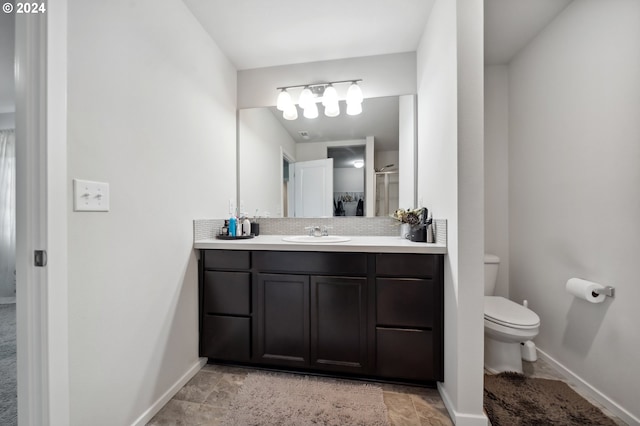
(362, 165)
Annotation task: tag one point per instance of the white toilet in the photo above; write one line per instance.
(506, 324)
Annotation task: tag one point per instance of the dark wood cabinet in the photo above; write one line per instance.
(312, 321)
(283, 319)
(339, 323)
(409, 317)
(226, 338)
(375, 315)
(225, 305)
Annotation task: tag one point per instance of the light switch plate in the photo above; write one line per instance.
(89, 196)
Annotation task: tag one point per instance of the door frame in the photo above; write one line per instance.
(41, 216)
(286, 156)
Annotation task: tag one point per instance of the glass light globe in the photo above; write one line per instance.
(332, 110)
(354, 108)
(306, 97)
(311, 110)
(284, 100)
(330, 96)
(354, 94)
(358, 164)
(291, 113)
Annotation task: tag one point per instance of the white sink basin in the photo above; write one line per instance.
(312, 239)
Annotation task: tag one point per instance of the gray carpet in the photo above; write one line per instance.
(294, 400)
(8, 384)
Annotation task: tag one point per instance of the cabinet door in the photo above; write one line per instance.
(407, 302)
(407, 354)
(226, 293)
(227, 338)
(283, 319)
(339, 323)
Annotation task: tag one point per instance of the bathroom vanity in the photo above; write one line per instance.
(359, 308)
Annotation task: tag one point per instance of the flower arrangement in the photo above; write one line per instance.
(410, 216)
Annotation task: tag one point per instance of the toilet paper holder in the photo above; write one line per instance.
(607, 291)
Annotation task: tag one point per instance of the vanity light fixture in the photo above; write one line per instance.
(358, 164)
(319, 92)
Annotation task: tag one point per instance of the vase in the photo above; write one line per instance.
(405, 230)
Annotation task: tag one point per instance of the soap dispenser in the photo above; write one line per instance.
(232, 226)
(246, 226)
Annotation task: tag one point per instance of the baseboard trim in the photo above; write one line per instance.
(460, 419)
(594, 393)
(157, 406)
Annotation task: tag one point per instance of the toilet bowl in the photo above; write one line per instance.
(506, 325)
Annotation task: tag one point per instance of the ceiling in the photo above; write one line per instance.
(259, 33)
(509, 25)
(379, 118)
(344, 156)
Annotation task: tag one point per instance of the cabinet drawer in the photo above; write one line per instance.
(226, 338)
(311, 262)
(407, 265)
(406, 354)
(407, 302)
(226, 259)
(227, 293)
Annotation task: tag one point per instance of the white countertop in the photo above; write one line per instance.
(356, 244)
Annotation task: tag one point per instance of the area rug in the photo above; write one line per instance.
(294, 400)
(511, 399)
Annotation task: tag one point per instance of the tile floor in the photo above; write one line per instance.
(204, 400)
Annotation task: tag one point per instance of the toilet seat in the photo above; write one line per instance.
(506, 313)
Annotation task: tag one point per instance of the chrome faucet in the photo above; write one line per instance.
(314, 231)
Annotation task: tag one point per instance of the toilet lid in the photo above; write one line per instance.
(504, 311)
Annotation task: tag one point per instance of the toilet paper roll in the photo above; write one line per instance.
(583, 289)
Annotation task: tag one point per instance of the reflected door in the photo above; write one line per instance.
(313, 188)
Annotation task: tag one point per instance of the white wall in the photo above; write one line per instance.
(151, 110)
(574, 199)
(496, 170)
(407, 146)
(382, 158)
(348, 179)
(450, 180)
(382, 75)
(307, 151)
(260, 171)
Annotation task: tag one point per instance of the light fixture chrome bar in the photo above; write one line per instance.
(319, 84)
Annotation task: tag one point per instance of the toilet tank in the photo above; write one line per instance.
(491, 263)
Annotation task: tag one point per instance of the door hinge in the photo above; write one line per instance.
(40, 258)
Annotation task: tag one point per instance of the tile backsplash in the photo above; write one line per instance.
(352, 226)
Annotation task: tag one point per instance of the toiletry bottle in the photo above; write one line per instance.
(430, 236)
(246, 226)
(225, 228)
(232, 226)
(238, 227)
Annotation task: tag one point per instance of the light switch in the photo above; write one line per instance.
(89, 196)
